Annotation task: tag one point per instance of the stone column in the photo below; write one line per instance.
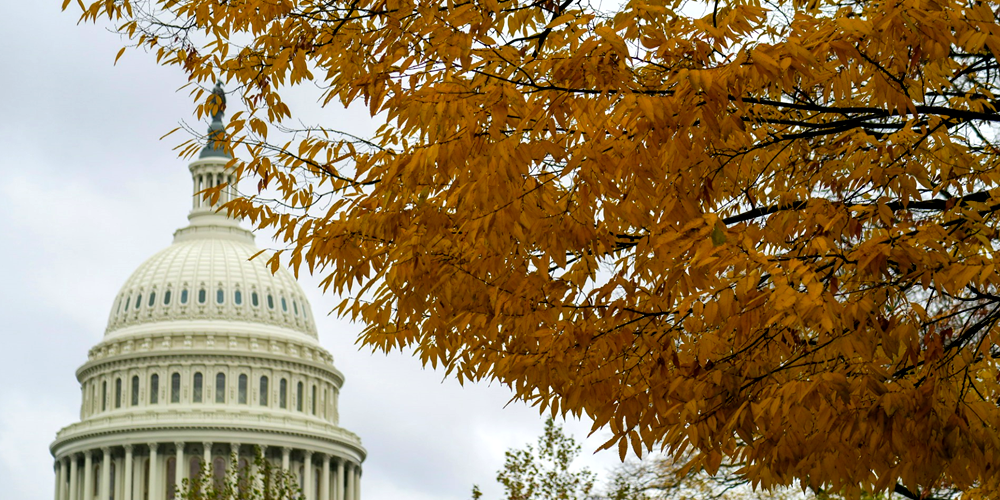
(349, 490)
(74, 471)
(129, 462)
(357, 483)
(206, 461)
(59, 479)
(88, 475)
(180, 468)
(234, 463)
(307, 480)
(154, 476)
(105, 473)
(338, 492)
(324, 482)
(257, 482)
(286, 453)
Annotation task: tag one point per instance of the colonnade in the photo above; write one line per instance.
(145, 475)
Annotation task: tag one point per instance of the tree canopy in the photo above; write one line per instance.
(757, 230)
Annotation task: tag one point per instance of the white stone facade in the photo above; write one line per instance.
(206, 354)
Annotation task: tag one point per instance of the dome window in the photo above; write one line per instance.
(175, 388)
(298, 396)
(314, 399)
(138, 300)
(263, 390)
(284, 305)
(283, 393)
(197, 389)
(166, 298)
(118, 393)
(104, 395)
(202, 296)
(295, 307)
(220, 388)
(135, 390)
(241, 389)
(152, 299)
(237, 298)
(154, 389)
(253, 299)
(220, 296)
(270, 301)
(184, 296)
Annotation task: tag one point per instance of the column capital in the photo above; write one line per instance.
(88, 454)
(207, 445)
(308, 453)
(128, 448)
(152, 446)
(326, 458)
(234, 446)
(286, 449)
(106, 450)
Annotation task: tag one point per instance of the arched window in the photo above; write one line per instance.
(154, 389)
(171, 477)
(243, 477)
(135, 390)
(152, 299)
(184, 296)
(241, 389)
(263, 391)
(253, 299)
(270, 301)
(202, 296)
(166, 298)
(118, 393)
(104, 395)
(175, 388)
(138, 300)
(298, 396)
(220, 388)
(314, 399)
(283, 393)
(220, 296)
(194, 473)
(284, 305)
(237, 298)
(219, 471)
(197, 389)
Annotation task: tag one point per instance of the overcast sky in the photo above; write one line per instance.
(88, 191)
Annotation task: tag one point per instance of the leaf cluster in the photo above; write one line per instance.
(762, 231)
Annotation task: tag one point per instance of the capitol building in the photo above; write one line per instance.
(207, 357)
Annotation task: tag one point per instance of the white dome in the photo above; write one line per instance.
(206, 275)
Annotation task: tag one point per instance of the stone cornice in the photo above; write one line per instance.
(340, 442)
(125, 361)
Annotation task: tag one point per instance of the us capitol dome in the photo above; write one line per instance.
(207, 355)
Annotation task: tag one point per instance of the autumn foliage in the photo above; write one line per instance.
(762, 231)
